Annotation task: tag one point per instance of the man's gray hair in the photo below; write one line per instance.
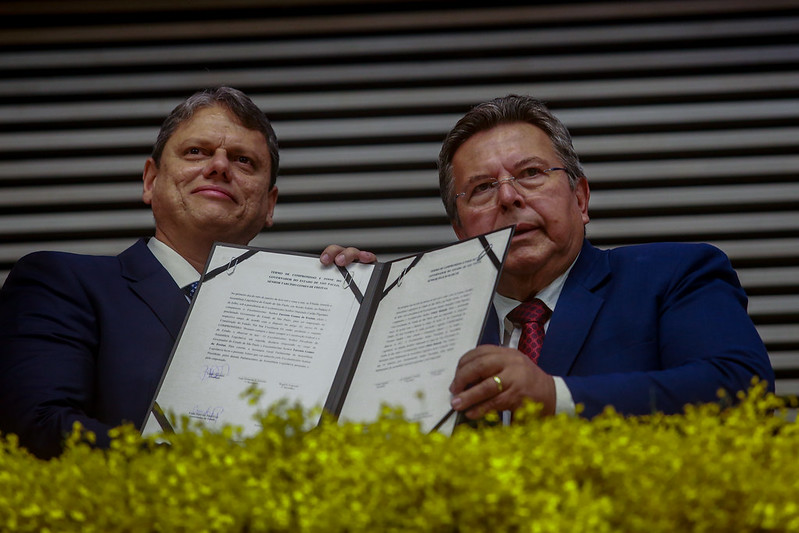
(504, 110)
(235, 101)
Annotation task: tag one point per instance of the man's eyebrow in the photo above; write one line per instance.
(480, 177)
(528, 160)
(194, 139)
(519, 164)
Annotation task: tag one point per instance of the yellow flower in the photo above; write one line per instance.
(717, 467)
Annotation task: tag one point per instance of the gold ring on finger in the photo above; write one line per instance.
(498, 382)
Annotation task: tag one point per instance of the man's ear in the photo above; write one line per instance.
(583, 193)
(148, 180)
(272, 200)
(459, 231)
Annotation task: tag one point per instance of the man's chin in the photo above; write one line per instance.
(528, 254)
(222, 228)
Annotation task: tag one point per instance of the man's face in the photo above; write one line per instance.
(213, 180)
(549, 218)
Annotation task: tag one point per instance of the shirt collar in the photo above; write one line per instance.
(180, 269)
(549, 295)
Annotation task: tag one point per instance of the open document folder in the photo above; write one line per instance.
(349, 339)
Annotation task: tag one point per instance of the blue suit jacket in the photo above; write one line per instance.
(650, 328)
(83, 338)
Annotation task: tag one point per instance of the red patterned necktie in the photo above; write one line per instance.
(531, 316)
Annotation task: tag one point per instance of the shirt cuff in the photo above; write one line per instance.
(564, 402)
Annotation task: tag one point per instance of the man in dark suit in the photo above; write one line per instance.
(84, 338)
(642, 328)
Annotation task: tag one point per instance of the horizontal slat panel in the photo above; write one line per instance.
(113, 246)
(685, 114)
(719, 197)
(370, 238)
(342, 128)
(594, 90)
(676, 170)
(425, 154)
(384, 210)
(87, 221)
(77, 194)
(126, 219)
(760, 248)
(70, 195)
(785, 360)
(787, 387)
(403, 72)
(404, 44)
(637, 143)
(706, 113)
(770, 305)
(102, 166)
(779, 334)
(757, 278)
(690, 226)
(81, 139)
(270, 25)
(350, 100)
(686, 226)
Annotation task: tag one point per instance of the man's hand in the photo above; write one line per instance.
(519, 379)
(344, 256)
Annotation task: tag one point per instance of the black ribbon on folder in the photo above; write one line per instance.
(487, 251)
(160, 417)
(397, 282)
(350, 282)
(230, 267)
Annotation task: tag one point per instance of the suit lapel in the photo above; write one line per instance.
(150, 281)
(575, 312)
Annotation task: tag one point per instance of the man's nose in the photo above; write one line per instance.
(218, 166)
(507, 193)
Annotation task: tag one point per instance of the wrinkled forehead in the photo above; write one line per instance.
(208, 114)
(217, 123)
(510, 145)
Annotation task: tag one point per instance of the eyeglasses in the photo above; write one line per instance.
(482, 194)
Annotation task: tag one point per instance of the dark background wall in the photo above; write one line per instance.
(685, 114)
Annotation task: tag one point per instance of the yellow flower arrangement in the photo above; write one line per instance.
(713, 468)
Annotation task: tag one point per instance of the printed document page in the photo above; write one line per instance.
(277, 320)
(432, 312)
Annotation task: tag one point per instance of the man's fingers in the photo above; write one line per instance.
(329, 254)
(476, 365)
(366, 257)
(481, 398)
(492, 378)
(344, 256)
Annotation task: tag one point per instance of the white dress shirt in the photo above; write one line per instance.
(180, 269)
(564, 403)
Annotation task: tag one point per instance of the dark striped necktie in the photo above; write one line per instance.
(190, 289)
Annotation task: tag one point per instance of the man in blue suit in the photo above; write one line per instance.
(642, 328)
(85, 338)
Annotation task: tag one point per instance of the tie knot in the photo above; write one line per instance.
(532, 311)
(190, 289)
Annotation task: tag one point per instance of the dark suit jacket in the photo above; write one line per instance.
(650, 327)
(83, 338)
